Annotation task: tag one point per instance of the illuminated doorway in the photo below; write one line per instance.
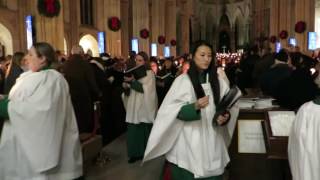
(5, 40)
(89, 43)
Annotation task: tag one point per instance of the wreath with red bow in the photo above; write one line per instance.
(173, 42)
(144, 33)
(283, 34)
(161, 39)
(300, 27)
(49, 8)
(273, 39)
(114, 23)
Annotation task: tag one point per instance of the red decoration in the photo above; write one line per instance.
(114, 23)
(173, 42)
(49, 8)
(161, 39)
(144, 33)
(300, 27)
(283, 34)
(273, 39)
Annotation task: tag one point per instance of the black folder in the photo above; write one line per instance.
(226, 103)
(137, 72)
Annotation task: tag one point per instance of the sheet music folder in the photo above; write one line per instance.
(137, 72)
(227, 102)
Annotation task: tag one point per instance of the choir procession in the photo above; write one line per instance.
(160, 89)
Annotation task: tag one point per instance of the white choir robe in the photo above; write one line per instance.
(196, 146)
(142, 107)
(304, 143)
(40, 141)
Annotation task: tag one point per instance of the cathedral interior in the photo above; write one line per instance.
(168, 29)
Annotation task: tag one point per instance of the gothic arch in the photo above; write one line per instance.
(239, 28)
(6, 39)
(238, 15)
(224, 35)
(89, 42)
(224, 21)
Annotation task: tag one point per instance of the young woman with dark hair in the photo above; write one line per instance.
(183, 129)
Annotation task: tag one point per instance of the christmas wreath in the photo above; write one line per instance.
(144, 33)
(283, 34)
(114, 23)
(300, 27)
(273, 39)
(173, 42)
(49, 8)
(161, 39)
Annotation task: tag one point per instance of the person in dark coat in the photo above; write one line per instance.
(83, 88)
(279, 71)
(262, 66)
(13, 72)
(104, 85)
(246, 68)
(299, 87)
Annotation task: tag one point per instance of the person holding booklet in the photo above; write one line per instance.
(183, 131)
(140, 104)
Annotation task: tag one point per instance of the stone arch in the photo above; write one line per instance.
(224, 21)
(239, 28)
(88, 42)
(224, 35)
(6, 39)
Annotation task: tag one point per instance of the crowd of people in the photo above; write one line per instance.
(167, 110)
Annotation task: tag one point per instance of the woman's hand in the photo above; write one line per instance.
(128, 79)
(202, 102)
(223, 119)
(125, 85)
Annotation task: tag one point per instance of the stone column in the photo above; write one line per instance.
(186, 12)
(125, 28)
(113, 38)
(171, 24)
(140, 20)
(274, 20)
(284, 19)
(304, 11)
(158, 24)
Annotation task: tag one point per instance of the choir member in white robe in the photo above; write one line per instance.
(40, 139)
(183, 129)
(304, 142)
(141, 106)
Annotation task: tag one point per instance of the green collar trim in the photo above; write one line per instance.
(45, 68)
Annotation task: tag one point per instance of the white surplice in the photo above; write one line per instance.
(142, 107)
(195, 146)
(304, 143)
(40, 141)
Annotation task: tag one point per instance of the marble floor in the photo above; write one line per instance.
(119, 169)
